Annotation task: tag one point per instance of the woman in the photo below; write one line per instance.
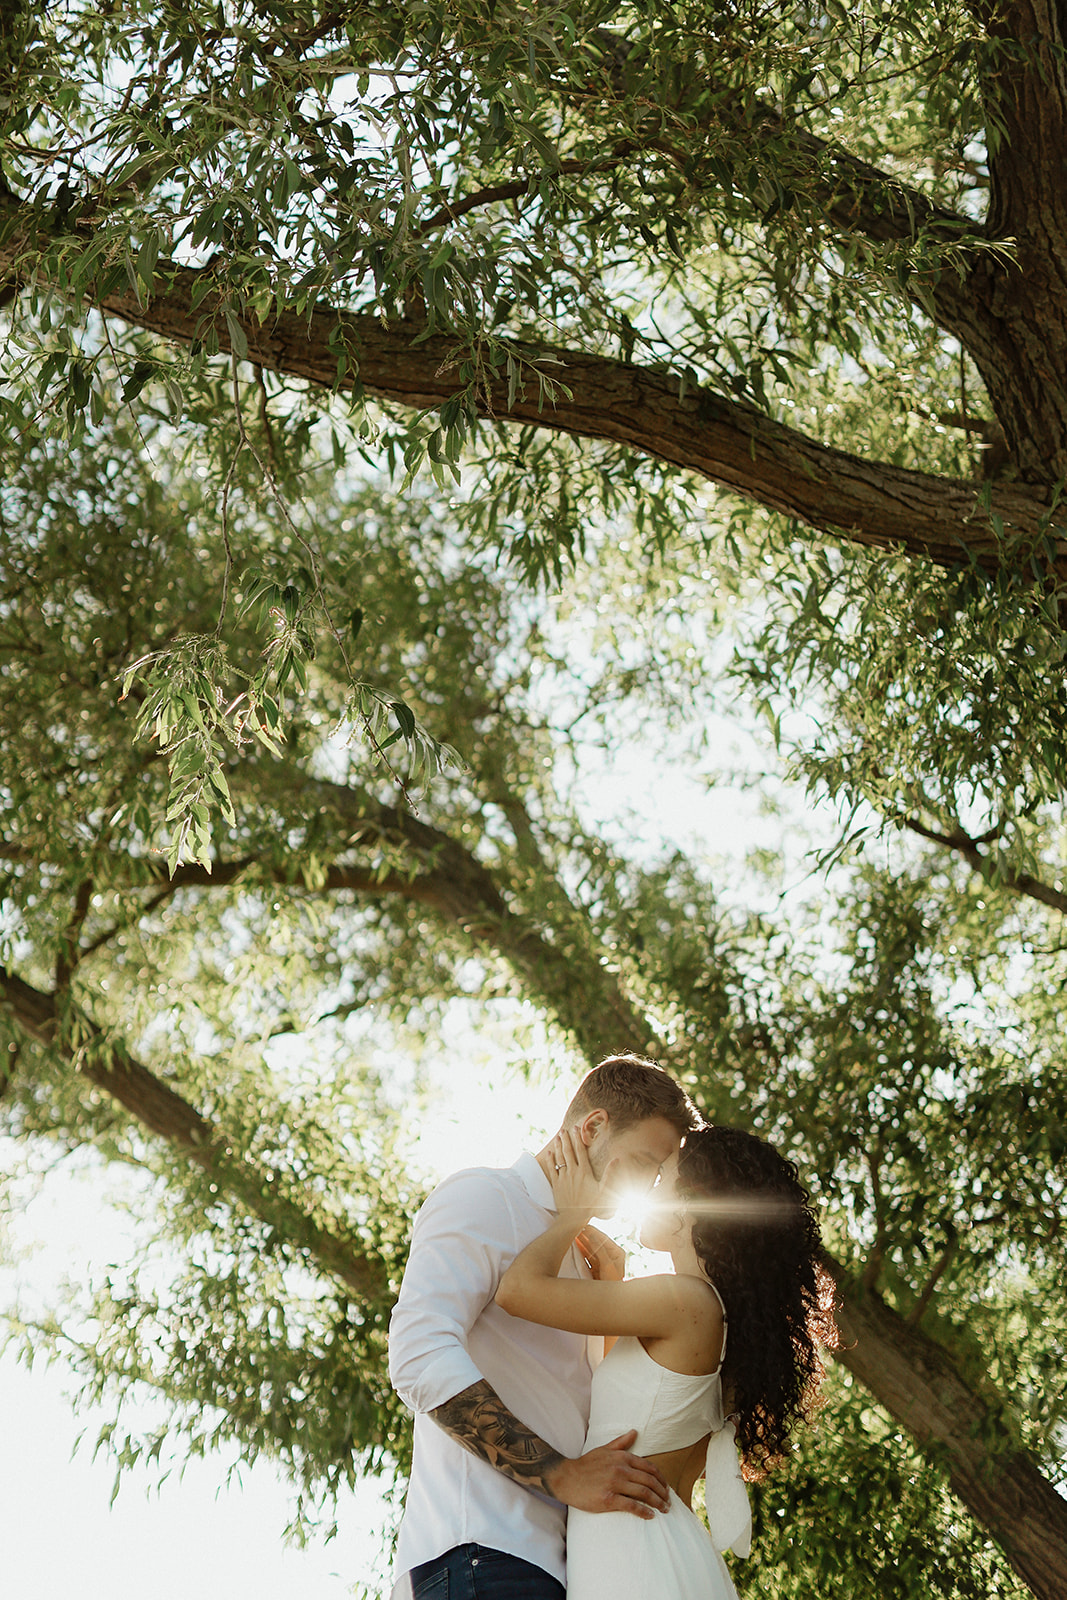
(745, 1245)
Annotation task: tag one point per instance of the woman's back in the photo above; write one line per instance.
(671, 1556)
(670, 1410)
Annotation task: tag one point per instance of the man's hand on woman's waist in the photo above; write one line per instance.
(606, 1479)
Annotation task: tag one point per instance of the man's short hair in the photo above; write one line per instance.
(630, 1089)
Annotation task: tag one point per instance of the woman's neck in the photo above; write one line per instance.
(687, 1262)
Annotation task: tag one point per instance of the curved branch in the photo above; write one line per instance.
(104, 1062)
(452, 210)
(554, 963)
(732, 444)
(872, 503)
(920, 1386)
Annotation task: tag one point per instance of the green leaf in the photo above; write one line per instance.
(143, 370)
(238, 341)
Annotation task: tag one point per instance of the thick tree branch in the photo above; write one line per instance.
(1024, 82)
(556, 964)
(730, 443)
(102, 1061)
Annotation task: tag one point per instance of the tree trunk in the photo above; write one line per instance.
(916, 1382)
(1017, 331)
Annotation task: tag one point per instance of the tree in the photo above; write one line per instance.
(683, 195)
(671, 246)
(137, 1005)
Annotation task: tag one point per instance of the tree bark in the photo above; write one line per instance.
(867, 502)
(1019, 339)
(917, 1383)
(870, 503)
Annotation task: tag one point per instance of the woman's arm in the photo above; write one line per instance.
(532, 1289)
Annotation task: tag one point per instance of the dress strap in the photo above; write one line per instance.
(719, 1298)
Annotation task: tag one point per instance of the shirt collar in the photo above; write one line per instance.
(528, 1170)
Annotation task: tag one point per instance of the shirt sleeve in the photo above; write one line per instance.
(463, 1239)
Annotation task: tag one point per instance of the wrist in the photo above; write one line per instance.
(554, 1476)
(573, 1218)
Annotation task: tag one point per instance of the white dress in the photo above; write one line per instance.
(617, 1556)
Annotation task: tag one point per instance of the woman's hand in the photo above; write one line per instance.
(605, 1259)
(574, 1186)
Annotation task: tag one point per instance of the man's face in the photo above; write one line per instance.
(640, 1151)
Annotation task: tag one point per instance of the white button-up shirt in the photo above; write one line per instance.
(446, 1333)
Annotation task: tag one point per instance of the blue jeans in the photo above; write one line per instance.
(474, 1572)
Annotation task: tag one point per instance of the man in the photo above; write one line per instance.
(501, 1405)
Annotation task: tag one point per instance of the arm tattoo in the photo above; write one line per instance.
(480, 1421)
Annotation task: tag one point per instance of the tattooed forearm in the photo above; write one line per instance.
(480, 1421)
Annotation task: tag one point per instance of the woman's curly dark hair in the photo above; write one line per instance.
(757, 1239)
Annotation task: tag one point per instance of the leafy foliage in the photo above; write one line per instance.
(899, 1531)
(298, 687)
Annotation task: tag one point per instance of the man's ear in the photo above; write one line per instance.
(592, 1125)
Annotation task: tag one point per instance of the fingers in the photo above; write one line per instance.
(609, 1478)
(573, 1183)
(602, 1255)
(646, 1482)
(577, 1154)
(641, 1491)
(619, 1502)
(640, 1483)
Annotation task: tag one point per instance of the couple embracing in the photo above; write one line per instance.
(544, 1467)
